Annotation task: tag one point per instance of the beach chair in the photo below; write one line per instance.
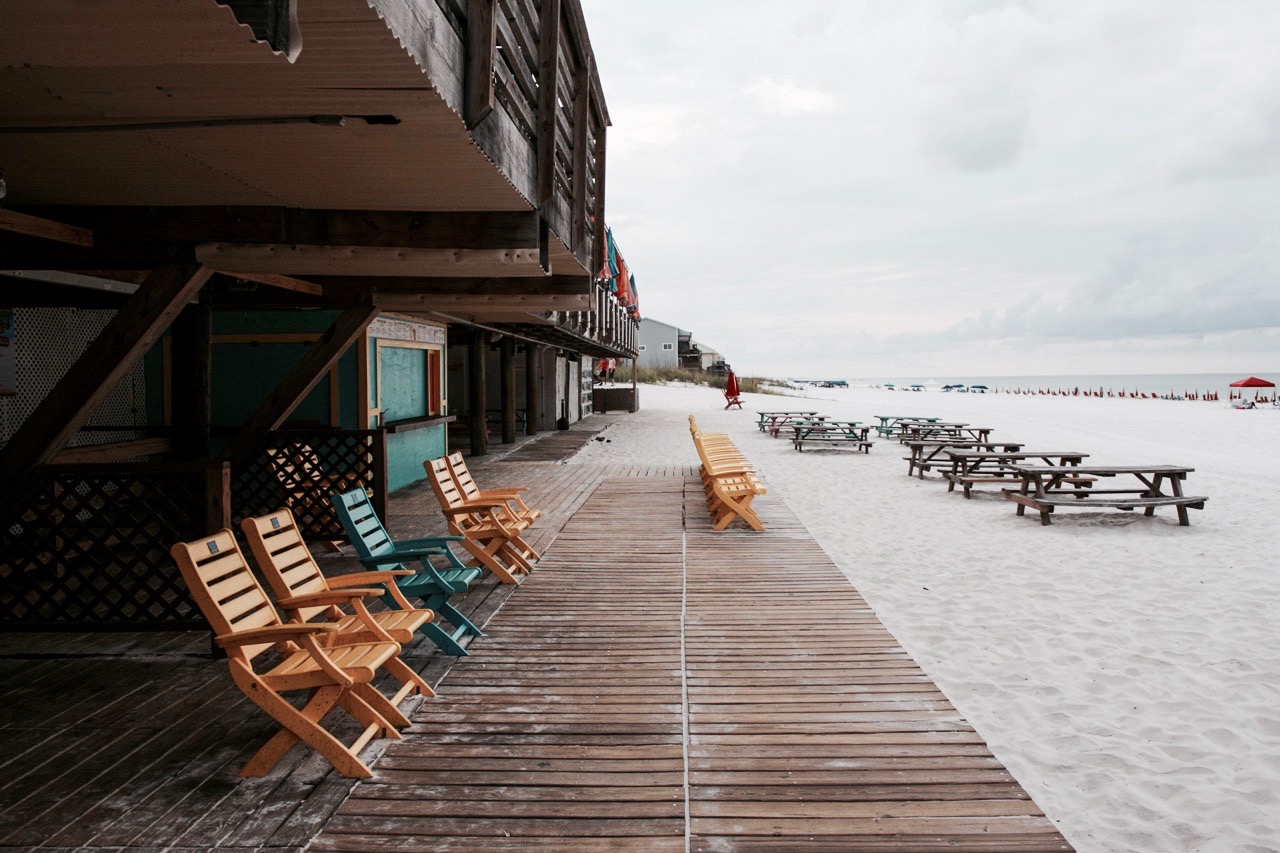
(515, 507)
(489, 534)
(728, 480)
(247, 627)
(433, 584)
(304, 593)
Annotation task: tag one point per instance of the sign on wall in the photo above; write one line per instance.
(8, 354)
(402, 330)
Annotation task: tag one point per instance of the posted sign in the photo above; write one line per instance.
(8, 355)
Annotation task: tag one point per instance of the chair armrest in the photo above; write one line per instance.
(398, 556)
(484, 493)
(273, 633)
(425, 542)
(334, 596)
(361, 578)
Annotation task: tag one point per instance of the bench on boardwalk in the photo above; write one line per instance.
(1042, 489)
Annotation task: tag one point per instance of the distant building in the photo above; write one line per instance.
(659, 344)
(665, 346)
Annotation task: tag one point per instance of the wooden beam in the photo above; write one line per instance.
(476, 393)
(581, 126)
(548, 74)
(361, 286)
(536, 302)
(307, 259)
(45, 229)
(191, 380)
(597, 262)
(482, 43)
(418, 229)
(532, 409)
(507, 376)
(107, 360)
(303, 377)
(283, 282)
(114, 451)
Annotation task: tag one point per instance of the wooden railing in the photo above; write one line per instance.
(89, 549)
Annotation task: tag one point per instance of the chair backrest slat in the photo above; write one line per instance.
(362, 524)
(225, 589)
(285, 560)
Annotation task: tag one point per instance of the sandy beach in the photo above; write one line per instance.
(1126, 670)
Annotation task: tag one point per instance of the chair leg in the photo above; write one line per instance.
(302, 725)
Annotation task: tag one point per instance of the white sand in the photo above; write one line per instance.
(1126, 670)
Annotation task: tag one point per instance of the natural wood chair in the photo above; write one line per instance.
(514, 506)
(247, 627)
(304, 593)
(433, 584)
(487, 530)
(728, 480)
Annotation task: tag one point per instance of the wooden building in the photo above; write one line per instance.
(255, 240)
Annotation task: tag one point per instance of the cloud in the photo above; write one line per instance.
(786, 97)
(981, 133)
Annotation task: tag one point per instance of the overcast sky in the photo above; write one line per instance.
(919, 187)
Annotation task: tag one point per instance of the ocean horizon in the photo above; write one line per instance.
(1149, 383)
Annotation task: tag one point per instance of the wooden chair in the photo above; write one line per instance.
(488, 532)
(728, 480)
(246, 626)
(432, 584)
(513, 504)
(304, 593)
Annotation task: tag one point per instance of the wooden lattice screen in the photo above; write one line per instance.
(301, 468)
(90, 549)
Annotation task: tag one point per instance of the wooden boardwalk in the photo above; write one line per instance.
(661, 686)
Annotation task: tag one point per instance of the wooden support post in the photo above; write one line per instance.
(548, 84)
(303, 377)
(482, 44)
(111, 356)
(532, 411)
(581, 124)
(475, 393)
(507, 371)
(191, 383)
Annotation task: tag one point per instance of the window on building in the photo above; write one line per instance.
(409, 380)
(668, 346)
(642, 348)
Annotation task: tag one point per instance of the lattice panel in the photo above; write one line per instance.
(47, 342)
(300, 469)
(92, 548)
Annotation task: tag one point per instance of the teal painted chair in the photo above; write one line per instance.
(434, 584)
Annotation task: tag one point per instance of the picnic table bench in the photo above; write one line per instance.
(1043, 490)
(831, 432)
(772, 422)
(943, 430)
(891, 425)
(970, 467)
(925, 453)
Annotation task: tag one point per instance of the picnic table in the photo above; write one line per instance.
(926, 452)
(831, 432)
(771, 422)
(1046, 487)
(969, 467)
(891, 425)
(943, 430)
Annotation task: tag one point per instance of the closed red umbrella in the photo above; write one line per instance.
(731, 392)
